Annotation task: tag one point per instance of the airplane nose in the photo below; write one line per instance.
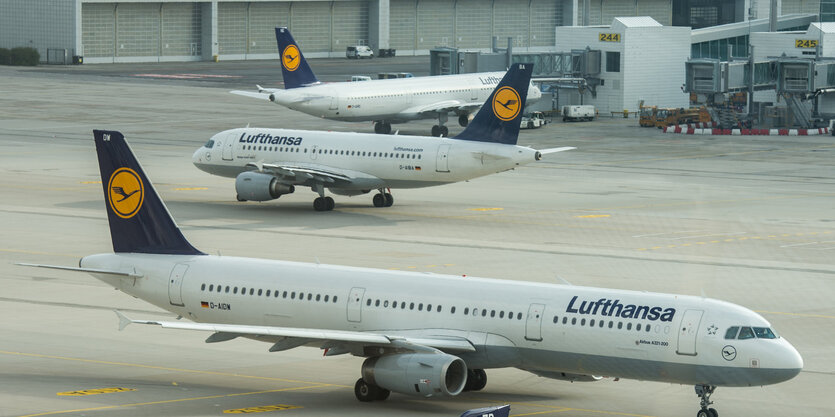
(198, 156)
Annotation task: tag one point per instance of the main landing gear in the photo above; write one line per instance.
(476, 380)
(439, 129)
(366, 392)
(704, 392)
(322, 203)
(383, 199)
(382, 127)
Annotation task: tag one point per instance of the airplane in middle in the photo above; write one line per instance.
(384, 102)
(268, 163)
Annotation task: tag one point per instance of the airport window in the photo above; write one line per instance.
(203, 287)
(452, 310)
(612, 61)
(211, 287)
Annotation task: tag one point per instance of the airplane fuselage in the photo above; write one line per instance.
(395, 100)
(372, 162)
(544, 328)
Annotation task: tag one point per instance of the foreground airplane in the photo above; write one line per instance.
(424, 334)
(382, 101)
(267, 163)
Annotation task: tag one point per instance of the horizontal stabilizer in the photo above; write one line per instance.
(555, 150)
(262, 96)
(124, 274)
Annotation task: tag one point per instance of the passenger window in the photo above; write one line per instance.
(318, 296)
(484, 313)
(573, 321)
(368, 302)
(293, 295)
(466, 310)
(284, 294)
(251, 291)
(420, 307)
(235, 290)
(429, 307)
(555, 319)
(212, 287)
(394, 304)
(475, 312)
(620, 325)
(746, 333)
(203, 287)
(638, 327)
(411, 306)
(259, 292)
(227, 289)
(492, 313)
(564, 320)
(386, 303)
(309, 296)
(628, 326)
(327, 297)
(452, 310)
(583, 322)
(438, 309)
(376, 303)
(611, 324)
(243, 290)
(731, 332)
(764, 333)
(518, 316)
(591, 323)
(219, 288)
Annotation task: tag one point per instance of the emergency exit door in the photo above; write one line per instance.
(355, 304)
(175, 284)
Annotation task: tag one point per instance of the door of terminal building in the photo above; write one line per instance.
(687, 332)
(533, 325)
(355, 304)
(175, 284)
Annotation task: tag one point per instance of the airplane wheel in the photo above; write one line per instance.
(389, 200)
(329, 204)
(378, 127)
(713, 412)
(703, 413)
(239, 198)
(387, 128)
(481, 379)
(319, 204)
(379, 200)
(365, 392)
(436, 130)
(463, 120)
(444, 131)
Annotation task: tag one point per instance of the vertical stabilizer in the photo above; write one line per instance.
(139, 220)
(499, 118)
(294, 67)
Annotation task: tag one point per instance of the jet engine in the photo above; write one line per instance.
(564, 376)
(256, 186)
(424, 374)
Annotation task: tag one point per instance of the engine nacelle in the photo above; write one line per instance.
(565, 376)
(256, 186)
(424, 374)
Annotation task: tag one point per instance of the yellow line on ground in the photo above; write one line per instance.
(165, 368)
(817, 316)
(207, 397)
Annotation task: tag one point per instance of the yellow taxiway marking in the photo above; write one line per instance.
(207, 397)
(261, 409)
(191, 188)
(95, 391)
(487, 209)
(817, 316)
(166, 368)
(594, 216)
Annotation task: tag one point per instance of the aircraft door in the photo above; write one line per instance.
(474, 94)
(533, 325)
(687, 332)
(175, 284)
(227, 146)
(313, 152)
(442, 159)
(355, 304)
(334, 103)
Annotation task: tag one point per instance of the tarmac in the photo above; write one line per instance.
(746, 219)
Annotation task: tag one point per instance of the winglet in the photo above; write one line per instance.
(294, 67)
(499, 118)
(123, 320)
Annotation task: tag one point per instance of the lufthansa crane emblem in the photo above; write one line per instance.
(125, 192)
(290, 57)
(506, 103)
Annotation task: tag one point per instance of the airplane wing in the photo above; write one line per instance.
(300, 174)
(441, 107)
(223, 332)
(277, 94)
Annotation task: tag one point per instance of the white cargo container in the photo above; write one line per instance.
(577, 113)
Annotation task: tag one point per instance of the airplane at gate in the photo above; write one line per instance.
(382, 101)
(268, 163)
(424, 334)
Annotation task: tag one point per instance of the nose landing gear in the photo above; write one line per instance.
(704, 392)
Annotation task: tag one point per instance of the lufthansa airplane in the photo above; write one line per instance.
(424, 334)
(382, 101)
(267, 163)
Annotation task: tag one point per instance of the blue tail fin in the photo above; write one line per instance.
(139, 221)
(294, 67)
(499, 118)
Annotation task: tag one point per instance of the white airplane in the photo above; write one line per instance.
(382, 101)
(424, 334)
(267, 163)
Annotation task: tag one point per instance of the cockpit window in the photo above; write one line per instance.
(764, 333)
(210, 144)
(746, 333)
(731, 333)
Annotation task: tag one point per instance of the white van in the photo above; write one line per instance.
(577, 113)
(359, 51)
